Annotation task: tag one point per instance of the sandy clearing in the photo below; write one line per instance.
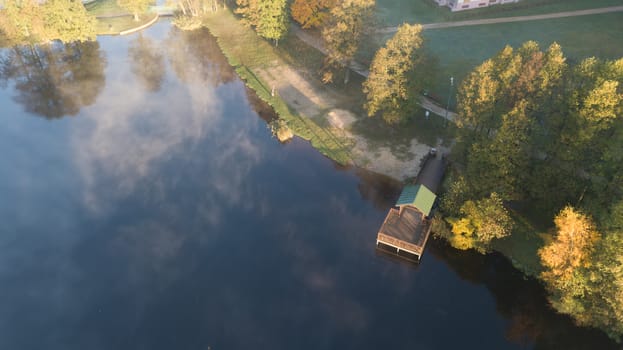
(311, 99)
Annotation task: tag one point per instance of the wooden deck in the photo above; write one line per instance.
(405, 230)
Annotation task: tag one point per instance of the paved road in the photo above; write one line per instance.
(476, 22)
(362, 70)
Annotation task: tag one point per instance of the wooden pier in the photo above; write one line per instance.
(407, 226)
(405, 231)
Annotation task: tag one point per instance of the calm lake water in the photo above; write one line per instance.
(145, 205)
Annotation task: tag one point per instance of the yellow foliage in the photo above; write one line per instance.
(462, 242)
(462, 227)
(571, 248)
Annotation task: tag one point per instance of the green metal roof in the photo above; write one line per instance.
(418, 196)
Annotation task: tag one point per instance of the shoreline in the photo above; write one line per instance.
(401, 170)
(312, 111)
(285, 112)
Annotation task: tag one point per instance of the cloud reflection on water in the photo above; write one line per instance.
(130, 130)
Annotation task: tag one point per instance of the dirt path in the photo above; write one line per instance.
(312, 99)
(362, 70)
(512, 19)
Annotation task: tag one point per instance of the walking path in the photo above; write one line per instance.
(361, 69)
(476, 22)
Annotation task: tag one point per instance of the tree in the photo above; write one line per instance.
(584, 273)
(273, 21)
(569, 251)
(68, 20)
(22, 22)
(505, 156)
(147, 63)
(194, 8)
(342, 34)
(481, 222)
(605, 301)
(136, 7)
(31, 22)
(477, 97)
(249, 10)
(543, 133)
(311, 13)
(391, 88)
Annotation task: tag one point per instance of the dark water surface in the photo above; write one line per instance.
(145, 205)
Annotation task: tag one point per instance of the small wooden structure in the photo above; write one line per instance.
(407, 226)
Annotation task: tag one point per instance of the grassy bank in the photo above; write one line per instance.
(250, 55)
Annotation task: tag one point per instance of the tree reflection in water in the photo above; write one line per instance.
(147, 63)
(56, 79)
(521, 300)
(195, 55)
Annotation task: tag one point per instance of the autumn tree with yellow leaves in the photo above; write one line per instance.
(569, 251)
(311, 13)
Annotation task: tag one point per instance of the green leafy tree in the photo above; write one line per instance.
(477, 98)
(342, 34)
(392, 87)
(31, 22)
(273, 21)
(481, 222)
(68, 20)
(311, 13)
(604, 303)
(136, 7)
(505, 156)
(542, 133)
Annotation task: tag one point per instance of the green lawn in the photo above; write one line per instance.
(522, 246)
(395, 12)
(105, 8)
(460, 49)
(114, 19)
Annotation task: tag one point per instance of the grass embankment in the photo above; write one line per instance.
(113, 19)
(250, 55)
(522, 246)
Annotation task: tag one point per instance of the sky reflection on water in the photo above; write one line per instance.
(164, 216)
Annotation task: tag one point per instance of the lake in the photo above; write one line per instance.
(144, 204)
